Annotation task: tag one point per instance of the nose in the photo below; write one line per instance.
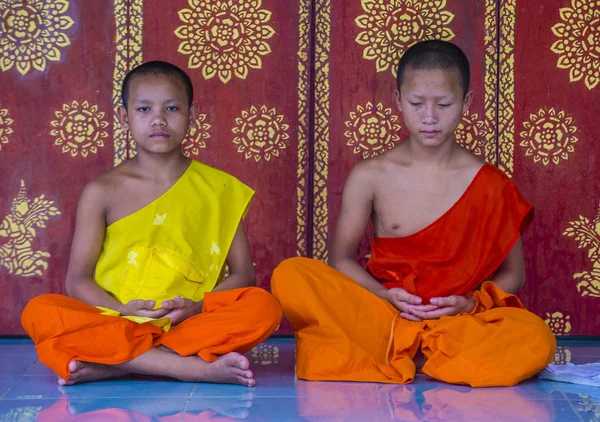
(430, 114)
(158, 118)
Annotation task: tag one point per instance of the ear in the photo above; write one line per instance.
(397, 100)
(467, 101)
(194, 111)
(123, 117)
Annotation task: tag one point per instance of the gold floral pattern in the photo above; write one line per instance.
(31, 33)
(260, 133)
(578, 44)
(19, 228)
(79, 129)
(5, 127)
(549, 136)
(587, 236)
(392, 26)
(562, 355)
(196, 137)
(471, 133)
(372, 129)
(265, 354)
(559, 324)
(224, 37)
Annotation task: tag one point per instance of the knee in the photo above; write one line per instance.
(35, 310)
(266, 305)
(540, 340)
(290, 274)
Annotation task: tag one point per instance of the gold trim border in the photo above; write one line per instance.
(491, 80)
(128, 43)
(303, 126)
(506, 109)
(321, 141)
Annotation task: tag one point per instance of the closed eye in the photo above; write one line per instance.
(143, 109)
(172, 108)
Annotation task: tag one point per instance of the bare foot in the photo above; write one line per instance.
(231, 368)
(87, 371)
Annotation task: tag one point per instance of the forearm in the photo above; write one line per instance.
(356, 272)
(508, 280)
(236, 281)
(86, 290)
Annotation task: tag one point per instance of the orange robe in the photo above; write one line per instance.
(344, 332)
(175, 245)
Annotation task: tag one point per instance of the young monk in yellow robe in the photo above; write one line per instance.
(447, 259)
(145, 277)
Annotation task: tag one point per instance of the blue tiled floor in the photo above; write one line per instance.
(29, 392)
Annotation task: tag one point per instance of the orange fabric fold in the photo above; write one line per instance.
(343, 332)
(455, 253)
(65, 329)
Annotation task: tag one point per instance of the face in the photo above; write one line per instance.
(432, 103)
(157, 113)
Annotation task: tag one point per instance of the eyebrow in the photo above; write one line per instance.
(169, 100)
(437, 98)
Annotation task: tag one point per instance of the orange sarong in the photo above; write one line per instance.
(65, 329)
(344, 332)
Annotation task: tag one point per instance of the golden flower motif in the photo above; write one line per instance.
(5, 127)
(260, 133)
(17, 254)
(470, 134)
(372, 130)
(578, 45)
(562, 355)
(549, 136)
(265, 354)
(196, 137)
(224, 37)
(392, 26)
(558, 323)
(31, 33)
(79, 128)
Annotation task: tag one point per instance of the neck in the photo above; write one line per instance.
(161, 167)
(438, 156)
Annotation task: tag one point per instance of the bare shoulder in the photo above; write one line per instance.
(375, 167)
(100, 189)
(468, 164)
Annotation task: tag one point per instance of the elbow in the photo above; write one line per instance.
(250, 278)
(337, 261)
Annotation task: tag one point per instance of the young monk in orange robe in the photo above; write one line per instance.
(145, 278)
(447, 258)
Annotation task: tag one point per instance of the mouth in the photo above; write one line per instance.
(159, 135)
(430, 133)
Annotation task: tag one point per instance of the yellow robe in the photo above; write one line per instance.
(177, 244)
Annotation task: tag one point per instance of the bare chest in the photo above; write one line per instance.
(130, 197)
(405, 209)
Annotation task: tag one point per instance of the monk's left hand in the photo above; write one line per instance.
(447, 306)
(181, 309)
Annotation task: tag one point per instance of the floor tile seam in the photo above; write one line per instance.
(572, 407)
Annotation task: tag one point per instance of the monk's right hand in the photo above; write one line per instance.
(143, 308)
(406, 303)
